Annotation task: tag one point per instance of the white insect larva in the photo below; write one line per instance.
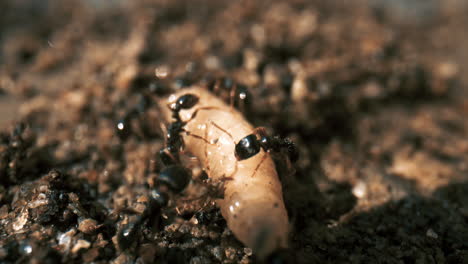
(253, 205)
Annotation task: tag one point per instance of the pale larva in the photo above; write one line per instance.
(253, 206)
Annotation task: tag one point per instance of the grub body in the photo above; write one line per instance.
(253, 206)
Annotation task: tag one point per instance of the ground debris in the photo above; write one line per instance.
(374, 97)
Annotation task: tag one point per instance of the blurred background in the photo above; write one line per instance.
(45, 36)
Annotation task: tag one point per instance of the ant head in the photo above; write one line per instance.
(247, 147)
(187, 101)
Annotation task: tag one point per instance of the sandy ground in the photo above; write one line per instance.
(374, 94)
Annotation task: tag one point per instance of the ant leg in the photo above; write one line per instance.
(232, 95)
(194, 114)
(214, 190)
(260, 163)
(289, 166)
(223, 130)
(207, 164)
(196, 136)
(260, 131)
(234, 142)
(164, 132)
(217, 86)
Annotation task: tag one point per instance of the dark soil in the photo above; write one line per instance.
(373, 94)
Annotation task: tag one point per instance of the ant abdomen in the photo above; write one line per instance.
(128, 232)
(247, 147)
(175, 177)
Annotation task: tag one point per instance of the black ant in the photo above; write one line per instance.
(174, 141)
(174, 179)
(124, 124)
(185, 101)
(239, 94)
(251, 145)
(127, 233)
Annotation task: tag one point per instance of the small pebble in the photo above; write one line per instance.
(217, 253)
(88, 226)
(81, 243)
(432, 233)
(360, 190)
(230, 253)
(21, 220)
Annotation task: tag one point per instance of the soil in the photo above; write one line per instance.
(374, 94)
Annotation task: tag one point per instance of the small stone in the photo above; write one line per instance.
(162, 71)
(217, 253)
(360, 190)
(142, 199)
(432, 233)
(248, 251)
(88, 226)
(91, 255)
(122, 259)
(64, 239)
(81, 243)
(230, 253)
(21, 221)
(25, 248)
(139, 208)
(4, 211)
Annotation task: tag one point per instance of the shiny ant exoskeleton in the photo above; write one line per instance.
(174, 141)
(251, 145)
(124, 127)
(174, 179)
(238, 94)
(127, 233)
(185, 101)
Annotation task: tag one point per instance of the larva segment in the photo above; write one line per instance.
(252, 206)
